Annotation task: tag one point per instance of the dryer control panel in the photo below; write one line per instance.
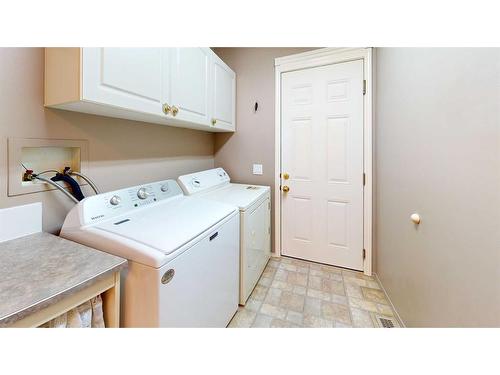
(203, 181)
(106, 205)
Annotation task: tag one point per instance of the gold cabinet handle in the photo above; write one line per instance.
(286, 176)
(175, 110)
(286, 189)
(166, 108)
(214, 121)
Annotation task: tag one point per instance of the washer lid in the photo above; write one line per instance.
(167, 227)
(241, 195)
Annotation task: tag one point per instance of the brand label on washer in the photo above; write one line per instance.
(167, 276)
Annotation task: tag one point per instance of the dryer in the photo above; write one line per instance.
(254, 202)
(183, 253)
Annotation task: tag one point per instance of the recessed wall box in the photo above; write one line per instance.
(40, 155)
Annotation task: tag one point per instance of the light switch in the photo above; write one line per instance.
(257, 169)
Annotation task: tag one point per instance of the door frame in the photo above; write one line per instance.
(311, 59)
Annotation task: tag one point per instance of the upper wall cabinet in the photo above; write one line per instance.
(223, 95)
(190, 82)
(124, 77)
(184, 87)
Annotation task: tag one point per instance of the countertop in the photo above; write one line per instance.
(41, 269)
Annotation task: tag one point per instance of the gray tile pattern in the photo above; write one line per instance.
(296, 293)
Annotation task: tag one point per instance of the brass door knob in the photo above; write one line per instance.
(166, 108)
(286, 189)
(175, 110)
(286, 176)
(214, 121)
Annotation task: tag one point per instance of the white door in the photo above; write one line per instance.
(189, 84)
(128, 78)
(223, 95)
(322, 151)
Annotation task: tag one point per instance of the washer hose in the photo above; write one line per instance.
(56, 185)
(88, 179)
(75, 188)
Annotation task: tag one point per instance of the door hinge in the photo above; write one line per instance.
(269, 205)
(364, 87)
(364, 179)
(269, 230)
(364, 254)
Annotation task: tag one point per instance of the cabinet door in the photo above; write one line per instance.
(190, 84)
(223, 95)
(129, 78)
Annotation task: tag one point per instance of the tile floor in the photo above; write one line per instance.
(296, 293)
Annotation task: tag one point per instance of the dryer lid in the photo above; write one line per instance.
(201, 182)
(167, 227)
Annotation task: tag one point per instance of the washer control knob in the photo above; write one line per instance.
(142, 193)
(115, 200)
(164, 188)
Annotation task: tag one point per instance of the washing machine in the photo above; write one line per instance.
(254, 202)
(183, 253)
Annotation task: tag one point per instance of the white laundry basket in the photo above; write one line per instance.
(86, 315)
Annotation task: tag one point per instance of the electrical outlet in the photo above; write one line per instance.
(257, 169)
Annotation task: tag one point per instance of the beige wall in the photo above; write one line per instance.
(437, 143)
(122, 153)
(253, 141)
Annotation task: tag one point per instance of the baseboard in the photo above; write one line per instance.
(398, 317)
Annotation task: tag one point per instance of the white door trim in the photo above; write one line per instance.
(319, 57)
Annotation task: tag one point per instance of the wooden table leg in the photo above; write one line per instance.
(111, 304)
